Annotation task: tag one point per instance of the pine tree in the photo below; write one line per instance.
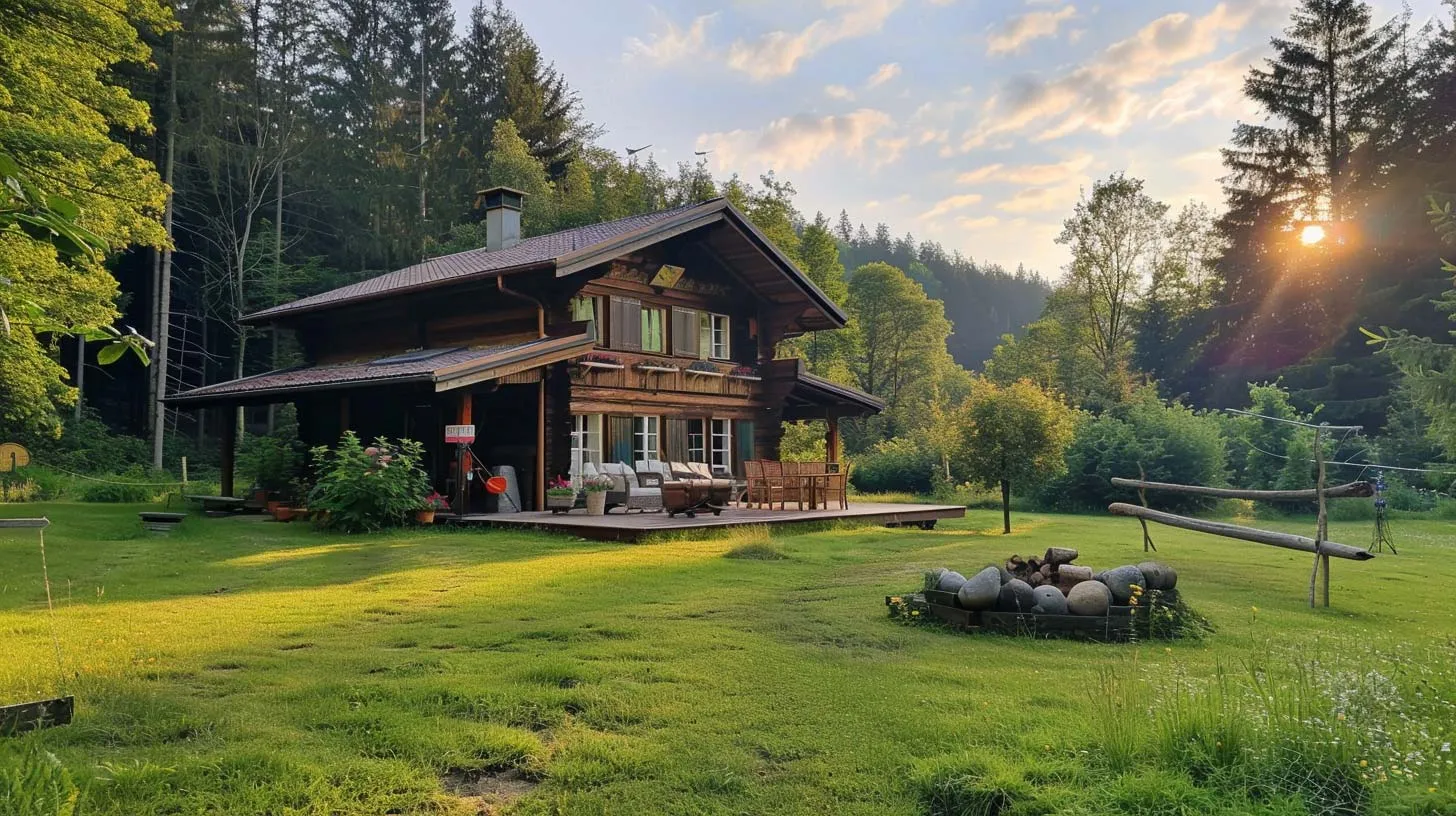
(844, 231)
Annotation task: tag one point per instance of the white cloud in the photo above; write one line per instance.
(795, 142)
(1017, 31)
(778, 53)
(838, 92)
(1213, 89)
(1030, 174)
(890, 150)
(972, 224)
(672, 43)
(1103, 95)
(883, 74)
(1042, 199)
(951, 204)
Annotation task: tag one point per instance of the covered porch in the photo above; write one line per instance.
(505, 390)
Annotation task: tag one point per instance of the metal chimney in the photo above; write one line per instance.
(502, 208)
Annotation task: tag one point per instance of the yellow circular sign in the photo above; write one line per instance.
(13, 455)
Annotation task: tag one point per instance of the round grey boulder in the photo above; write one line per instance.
(1005, 574)
(1049, 600)
(1016, 596)
(1155, 575)
(980, 590)
(950, 581)
(1089, 598)
(1121, 580)
(1170, 577)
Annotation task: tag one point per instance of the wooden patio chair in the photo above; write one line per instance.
(776, 483)
(836, 485)
(755, 489)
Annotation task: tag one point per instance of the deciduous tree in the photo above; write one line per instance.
(1014, 434)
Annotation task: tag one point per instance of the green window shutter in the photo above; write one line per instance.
(743, 436)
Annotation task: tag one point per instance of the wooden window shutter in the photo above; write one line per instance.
(685, 337)
(619, 439)
(626, 324)
(677, 440)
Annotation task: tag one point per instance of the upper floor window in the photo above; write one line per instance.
(589, 309)
(718, 336)
(654, 333)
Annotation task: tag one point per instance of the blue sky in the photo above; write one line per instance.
(971, 123)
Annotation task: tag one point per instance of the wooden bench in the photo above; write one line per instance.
(219, 504)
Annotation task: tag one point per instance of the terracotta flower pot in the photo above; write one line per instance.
(273, 504)
(281, 513)
(425, 516)
(596, 502)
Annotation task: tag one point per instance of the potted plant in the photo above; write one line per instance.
(433, 503)
(560, 495)
(596, 488)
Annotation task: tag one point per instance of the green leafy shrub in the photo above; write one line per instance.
(362, 489)
(49, 484)
(1172, 444)
(88, 445)
(132, 486)
(898, 465)
(273, 461)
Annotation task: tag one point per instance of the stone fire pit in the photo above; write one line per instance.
(1050, 595)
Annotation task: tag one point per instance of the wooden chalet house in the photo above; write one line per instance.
(648, 337)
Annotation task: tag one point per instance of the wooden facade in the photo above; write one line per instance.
(671, 330)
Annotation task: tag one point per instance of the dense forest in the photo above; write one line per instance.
(222, 157)
(309, 145)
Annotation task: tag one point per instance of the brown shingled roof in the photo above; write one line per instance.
(540, 250)
(424, 366)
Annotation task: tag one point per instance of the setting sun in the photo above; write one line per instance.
(1312, 235)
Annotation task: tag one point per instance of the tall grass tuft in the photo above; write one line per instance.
(1337, 733)
(38, 785)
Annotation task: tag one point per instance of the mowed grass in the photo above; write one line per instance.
(240, 666)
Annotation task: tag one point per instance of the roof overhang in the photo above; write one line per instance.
(456, 368)
(808, 396)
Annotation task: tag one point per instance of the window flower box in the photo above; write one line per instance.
(748, 373)
(703, 368)
(653, 368)
(604, 362)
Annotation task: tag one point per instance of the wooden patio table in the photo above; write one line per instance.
(817, 484)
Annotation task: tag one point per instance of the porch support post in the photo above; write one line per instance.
(229, 448)
(831, 438)
(539, 498)
(462, 485)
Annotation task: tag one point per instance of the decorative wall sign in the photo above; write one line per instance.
(667, 276)
(456, 434)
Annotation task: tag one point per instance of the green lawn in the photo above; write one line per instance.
(249, 667)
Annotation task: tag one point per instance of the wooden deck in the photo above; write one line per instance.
(619, 526)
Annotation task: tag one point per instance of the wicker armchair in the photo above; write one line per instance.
(632, 490)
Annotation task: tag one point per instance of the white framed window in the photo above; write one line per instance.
(589, 309)
(722, 452)
(644, 438)
(654, 335)
(719, 347)
(697, 441)
(586, 442)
